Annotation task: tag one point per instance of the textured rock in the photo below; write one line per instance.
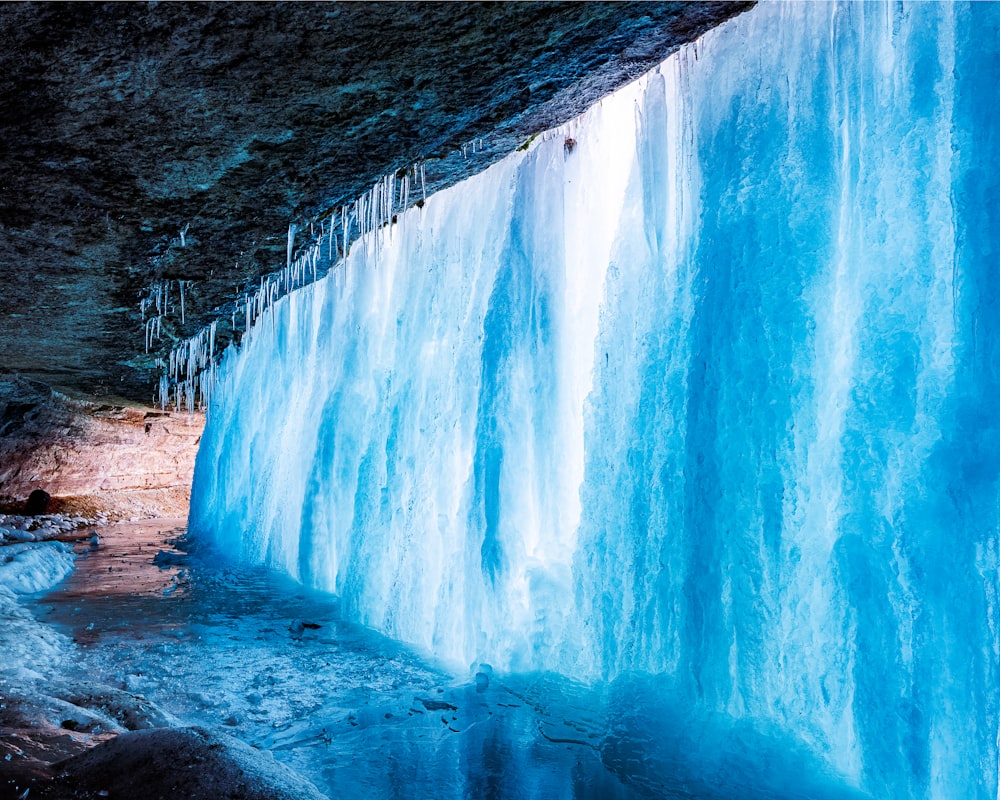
(170, 763)
(73, 448)
(125, 123)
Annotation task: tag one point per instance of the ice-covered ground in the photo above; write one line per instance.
(257, 655)
(33, 559)
(29, 649)
(249, 652)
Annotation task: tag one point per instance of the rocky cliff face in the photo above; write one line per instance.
(131, 461)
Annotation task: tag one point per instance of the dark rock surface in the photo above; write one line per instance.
(124, 124)
(171, 763)
(37, 502)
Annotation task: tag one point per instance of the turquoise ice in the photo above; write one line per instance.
(711, 394)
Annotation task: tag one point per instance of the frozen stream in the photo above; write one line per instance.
(349, 709)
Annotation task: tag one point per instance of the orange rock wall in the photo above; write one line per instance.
(71, 448)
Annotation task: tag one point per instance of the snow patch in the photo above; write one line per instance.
(26, 568)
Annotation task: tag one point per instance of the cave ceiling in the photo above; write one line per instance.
(123, 124)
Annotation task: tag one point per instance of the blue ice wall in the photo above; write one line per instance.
(711, 395)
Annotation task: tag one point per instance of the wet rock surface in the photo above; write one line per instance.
(125, 124)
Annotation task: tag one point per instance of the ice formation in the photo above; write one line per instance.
(29, 647)
(30, 568)
(701, 385)
(188, 375)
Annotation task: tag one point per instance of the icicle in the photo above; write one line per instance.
(346, 222)
(182, 301)
(292, 228)
(391, 196)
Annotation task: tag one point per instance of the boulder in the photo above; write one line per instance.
(37, 503)
(171, 763)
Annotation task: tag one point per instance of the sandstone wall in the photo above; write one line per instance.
(71, 449)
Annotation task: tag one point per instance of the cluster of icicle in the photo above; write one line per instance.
(473, 147)
(157, 298)
(369, 214)
(189, 374)
(187, 377)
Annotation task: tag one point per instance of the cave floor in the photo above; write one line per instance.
(272, 663)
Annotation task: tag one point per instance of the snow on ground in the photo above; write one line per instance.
(30, 649)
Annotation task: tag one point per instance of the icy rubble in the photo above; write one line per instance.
(44, 527)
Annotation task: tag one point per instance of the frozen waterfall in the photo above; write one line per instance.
(704, 384)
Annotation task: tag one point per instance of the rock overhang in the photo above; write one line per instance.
(125, 124)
